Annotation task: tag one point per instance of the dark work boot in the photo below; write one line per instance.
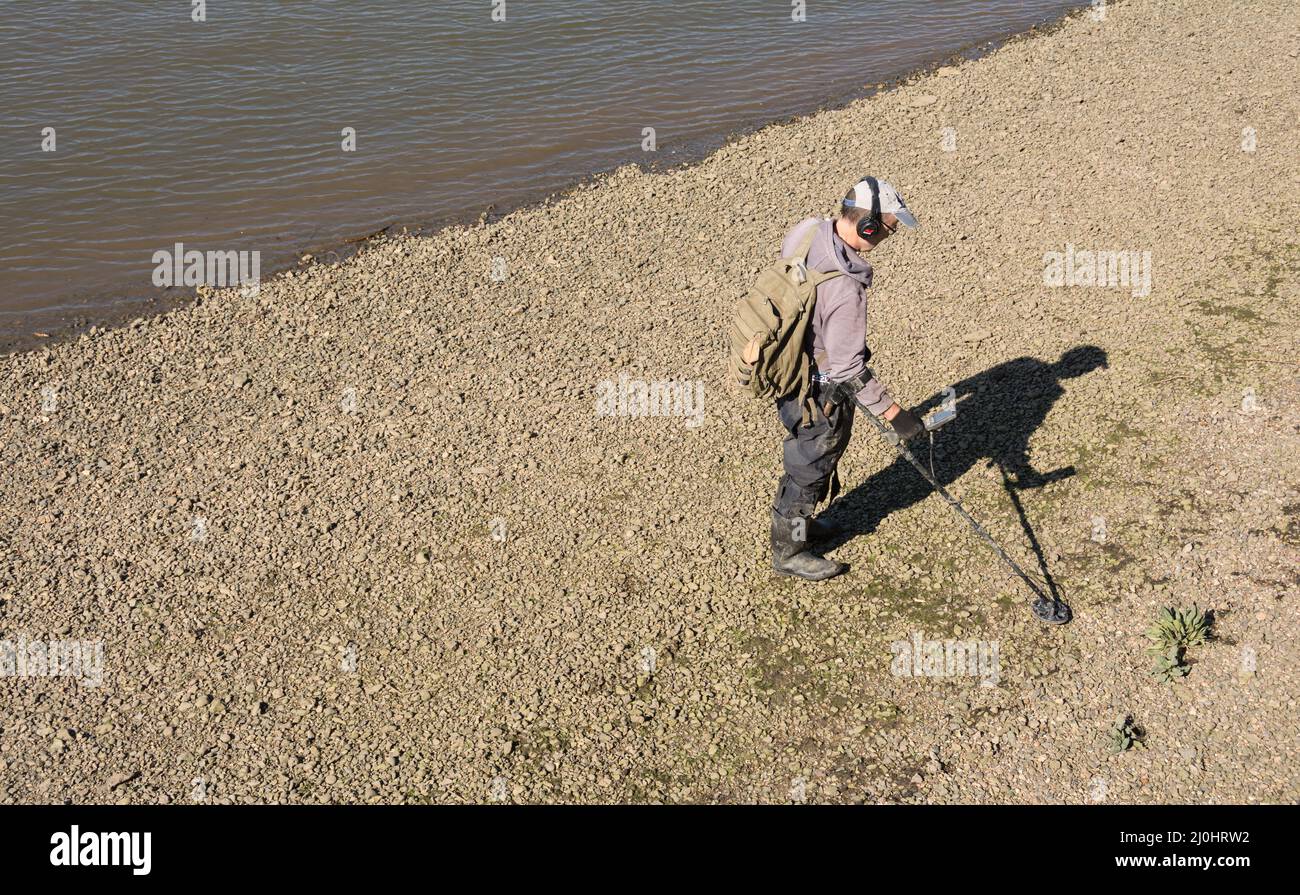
(791, 557)
(822, 530)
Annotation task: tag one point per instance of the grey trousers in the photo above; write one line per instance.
(811, 454)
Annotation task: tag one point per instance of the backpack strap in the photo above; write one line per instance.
(817, 277)
(805, 245)
(800, 258)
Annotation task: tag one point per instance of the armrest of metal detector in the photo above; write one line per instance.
(885, 431)
(847, 390)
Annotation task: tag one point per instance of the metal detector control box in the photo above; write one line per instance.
(940, 418)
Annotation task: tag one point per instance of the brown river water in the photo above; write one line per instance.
(128, 126)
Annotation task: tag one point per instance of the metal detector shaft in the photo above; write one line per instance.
(901, 446)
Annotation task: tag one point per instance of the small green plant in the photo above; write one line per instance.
(1179, 627)
(1126, 735)
(1170, 666)
(1174, 631)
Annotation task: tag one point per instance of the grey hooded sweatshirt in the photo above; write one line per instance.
(839, 324)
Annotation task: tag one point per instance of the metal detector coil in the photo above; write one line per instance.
(1051, 613)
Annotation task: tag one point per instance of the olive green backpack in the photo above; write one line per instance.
(769, 326)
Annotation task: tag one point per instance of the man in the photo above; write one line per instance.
(818, 429)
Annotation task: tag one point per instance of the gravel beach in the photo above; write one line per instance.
(379, 532)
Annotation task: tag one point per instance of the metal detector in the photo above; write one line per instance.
(1047, 609)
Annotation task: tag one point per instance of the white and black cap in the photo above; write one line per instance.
(861, 196)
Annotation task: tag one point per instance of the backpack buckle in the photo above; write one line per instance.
(800, 272)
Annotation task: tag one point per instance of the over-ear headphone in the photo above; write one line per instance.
(868, 225)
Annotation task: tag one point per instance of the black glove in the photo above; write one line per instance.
(907, 424)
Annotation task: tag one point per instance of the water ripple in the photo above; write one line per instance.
(226, 133)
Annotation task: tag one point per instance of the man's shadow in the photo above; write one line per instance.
(998, 411)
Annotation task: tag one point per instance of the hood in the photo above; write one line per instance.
(845, 259)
